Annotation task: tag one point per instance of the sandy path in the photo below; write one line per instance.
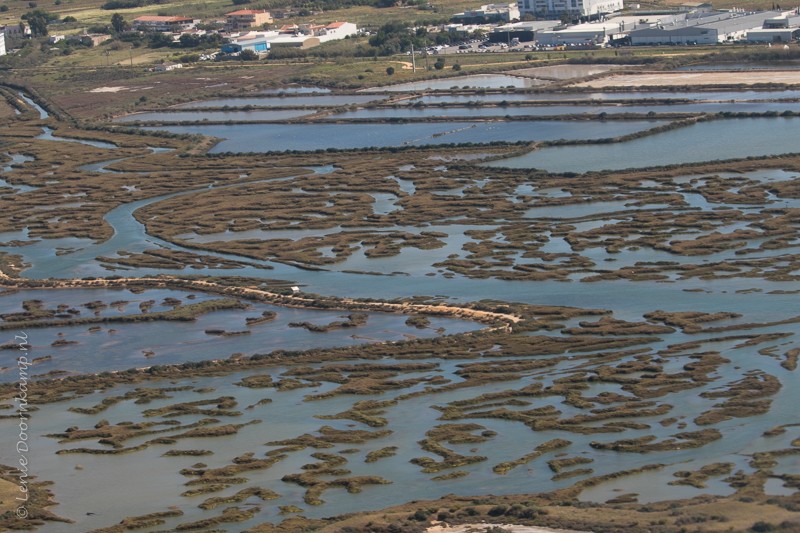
(655, 79)
(284, 299)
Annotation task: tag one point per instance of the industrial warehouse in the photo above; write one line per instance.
(681, 28)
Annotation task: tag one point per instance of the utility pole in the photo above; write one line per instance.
(413, 60)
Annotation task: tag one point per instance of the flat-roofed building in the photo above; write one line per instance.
(244, 19)
(256, 41)
(523, 31)
(773, 35)
(783, 29)
(705, 30)
(488, 13)
(294, 41)
(601, 32)
(576, 8)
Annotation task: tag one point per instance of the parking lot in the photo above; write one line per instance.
(476, 47)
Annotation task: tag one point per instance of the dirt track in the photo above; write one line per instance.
(283, 299)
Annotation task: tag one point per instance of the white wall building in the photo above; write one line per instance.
(579, 8)
(489, 13)
(783, 29)
(2, 43)
(337, 30)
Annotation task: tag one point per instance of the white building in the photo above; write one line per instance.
(523, 31)
(15, 32)
(576, 8)
(781, 29)
(599, 33)
(255, 41)
(337, 30)
(2, 43)
(488, 13)
(705, 30)
(291, 35)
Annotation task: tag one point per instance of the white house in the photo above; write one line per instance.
(337, 30)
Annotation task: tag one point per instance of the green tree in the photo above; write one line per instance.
(188, 40)
(38, 20)
(118, 23)
(389, 70)
(248, 55)
(159, 40)
(439, 65)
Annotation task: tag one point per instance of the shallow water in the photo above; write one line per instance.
(277, 137)
(119, 346)
(614, 96)
(153, 482)
(16, 161)
(48, 136)
(718, 139)
(42, 113)
(288, 416)
(557, 110)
